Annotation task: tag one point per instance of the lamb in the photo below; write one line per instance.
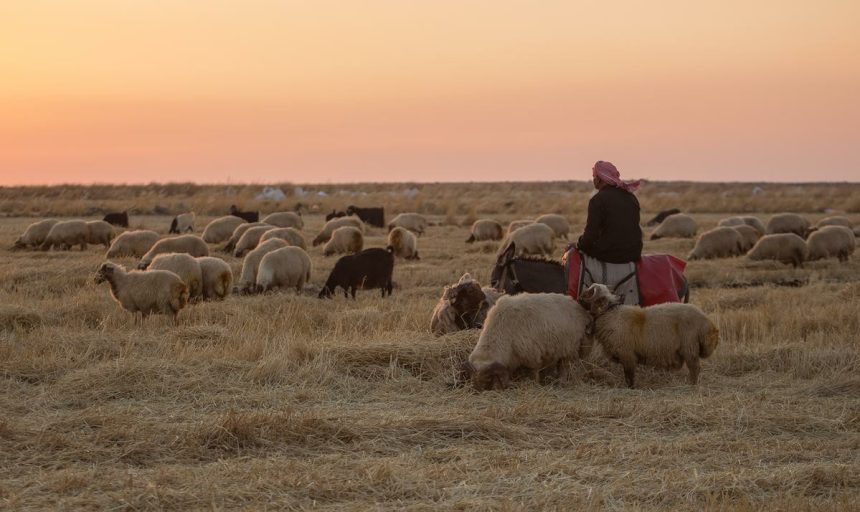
(237, 234)
(529, 330)
(783, 247)
(788, 223)
(535, 238)
(676, 226)
(333, 224)
(517, 224)
(248, 216)
(66, 234)
(290, 235)
(285, 220)
(184, 266)
(485, 229)
(663, 336)
(463, 305)
(189, 244)
(117, 219)
(221, 228)
(133, 244)
(154, 291)
(557, 222)
(370, 268)
(250, 239)
(660, 217)
(414, 222)
(720, 242)
(753, 222)
(831, 241)
(100, 232)
(248, 277)
(287, 267)
(217, 277)
(749, 236)
(404, 242)
(34, 235)
(345, 239)
(182, 223)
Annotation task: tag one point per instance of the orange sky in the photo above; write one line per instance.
(420, 90)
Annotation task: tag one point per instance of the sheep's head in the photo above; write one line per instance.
(494, 376)
(143, 265)
(233, 209)
(104, 273)
(597, 299)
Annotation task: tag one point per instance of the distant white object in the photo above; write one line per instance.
(757, 191)
(271, 194)
(299, 191)
(410, 192)
(321, 193)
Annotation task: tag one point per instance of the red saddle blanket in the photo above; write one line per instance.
(660, 277)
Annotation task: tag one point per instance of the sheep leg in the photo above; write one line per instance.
(536, 375)
(693, 367)
(563, 368)
(629, 364)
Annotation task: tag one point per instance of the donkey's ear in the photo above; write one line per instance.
(465, 278)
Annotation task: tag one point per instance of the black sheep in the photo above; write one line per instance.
(370, 268)
(373, 216)
(660, 217)
(117, 219)
(248, 216)
(334, 214)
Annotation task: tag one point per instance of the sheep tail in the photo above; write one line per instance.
(708, 343)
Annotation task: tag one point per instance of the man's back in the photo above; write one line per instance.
(612, 234)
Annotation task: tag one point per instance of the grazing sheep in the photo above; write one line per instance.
(783, 247)
(375, 216)
(335, 223)
(189, 244)
(66, 234)
(753, 222)
(217, 277)
(132, 244)
(221, 228)
(676, 226)
(250, 239)
(463, 305)
(404, 242)
(831, 241)
(557, 222)
(534, 238)
(749, 236)
(517, 224)
(414, 222)
(100, 232)
(117, 219)
(183, 265)
(285, 220)
(788, 223)
(290, 235)
(837, 220)
(370, 268)
(34, 235)
(660, 217)
(154, 291)
(720, 242)
(237, 234)
(248, 216)
(345, 239)
(485, 229)
(251, 264)
(287, 267)
(663, 336)
(182, 223)
(335, 214)
(529, 330)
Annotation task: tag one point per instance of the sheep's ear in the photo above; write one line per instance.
(588, 293)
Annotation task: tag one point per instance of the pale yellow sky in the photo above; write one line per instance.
(307, 91)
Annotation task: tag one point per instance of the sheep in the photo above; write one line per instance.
(133, 244)
(153, 291)
(250, 239)
(334, 214)
(287, 267)
(333, 224)
(345, 239)
(720, 242)
(375, 215)
(248, 276)
(414, 222)
(119, 219)
(185, 266)
(100, 232)
(34, 235)
(667, 335)
(788, 223)
(834, 221)
(249, 216)
(783, 247)
(517, 224)
(370, 268)
(749, 236)
(660, 217)
(485, 229)
(831, 241)
(182, 223)
(404, 242)
(190, 244)
(557, 222)
(463, 305)
(676, 226)
(237, 234)
(221, 228)
(290, 235)
(530, 330)
(66, 234)
(753, 222)
(535, 238)
(217, 277)
(285, 220)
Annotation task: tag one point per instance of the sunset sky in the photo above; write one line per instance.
(427, 90)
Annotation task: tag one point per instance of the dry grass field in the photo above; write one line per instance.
(286, 401)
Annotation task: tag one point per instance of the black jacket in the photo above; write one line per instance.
(612, 233)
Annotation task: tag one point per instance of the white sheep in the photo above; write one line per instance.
(783, 247)
(529, 330)
(153, 291)
(100, 232)
(517, 224)
(182, 223)
(287, 267)
(292, 236)
(558, 223)
(345, 239)
(742, 220)
(285, 220)
(836, 220)
(337, 222)
(404, 242)
(189, 244)
(485, 229)
(132, 244)
(749, 236)
(221, 228)
(217, 277)
(66, 234)
(676, 226)
(248, 277)
(250, 239)
(720, 242)
(788, 223)
(186, 267)
(832, 241)
(663, 336)
(34, 235)
(237, 234)
(414, 222)
(535, 238)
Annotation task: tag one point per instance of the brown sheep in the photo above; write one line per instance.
(720, 242)
(404, 242)
(831, 241)
(783, 247)
(485, 229)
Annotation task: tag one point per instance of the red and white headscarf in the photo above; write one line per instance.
(609, 174)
